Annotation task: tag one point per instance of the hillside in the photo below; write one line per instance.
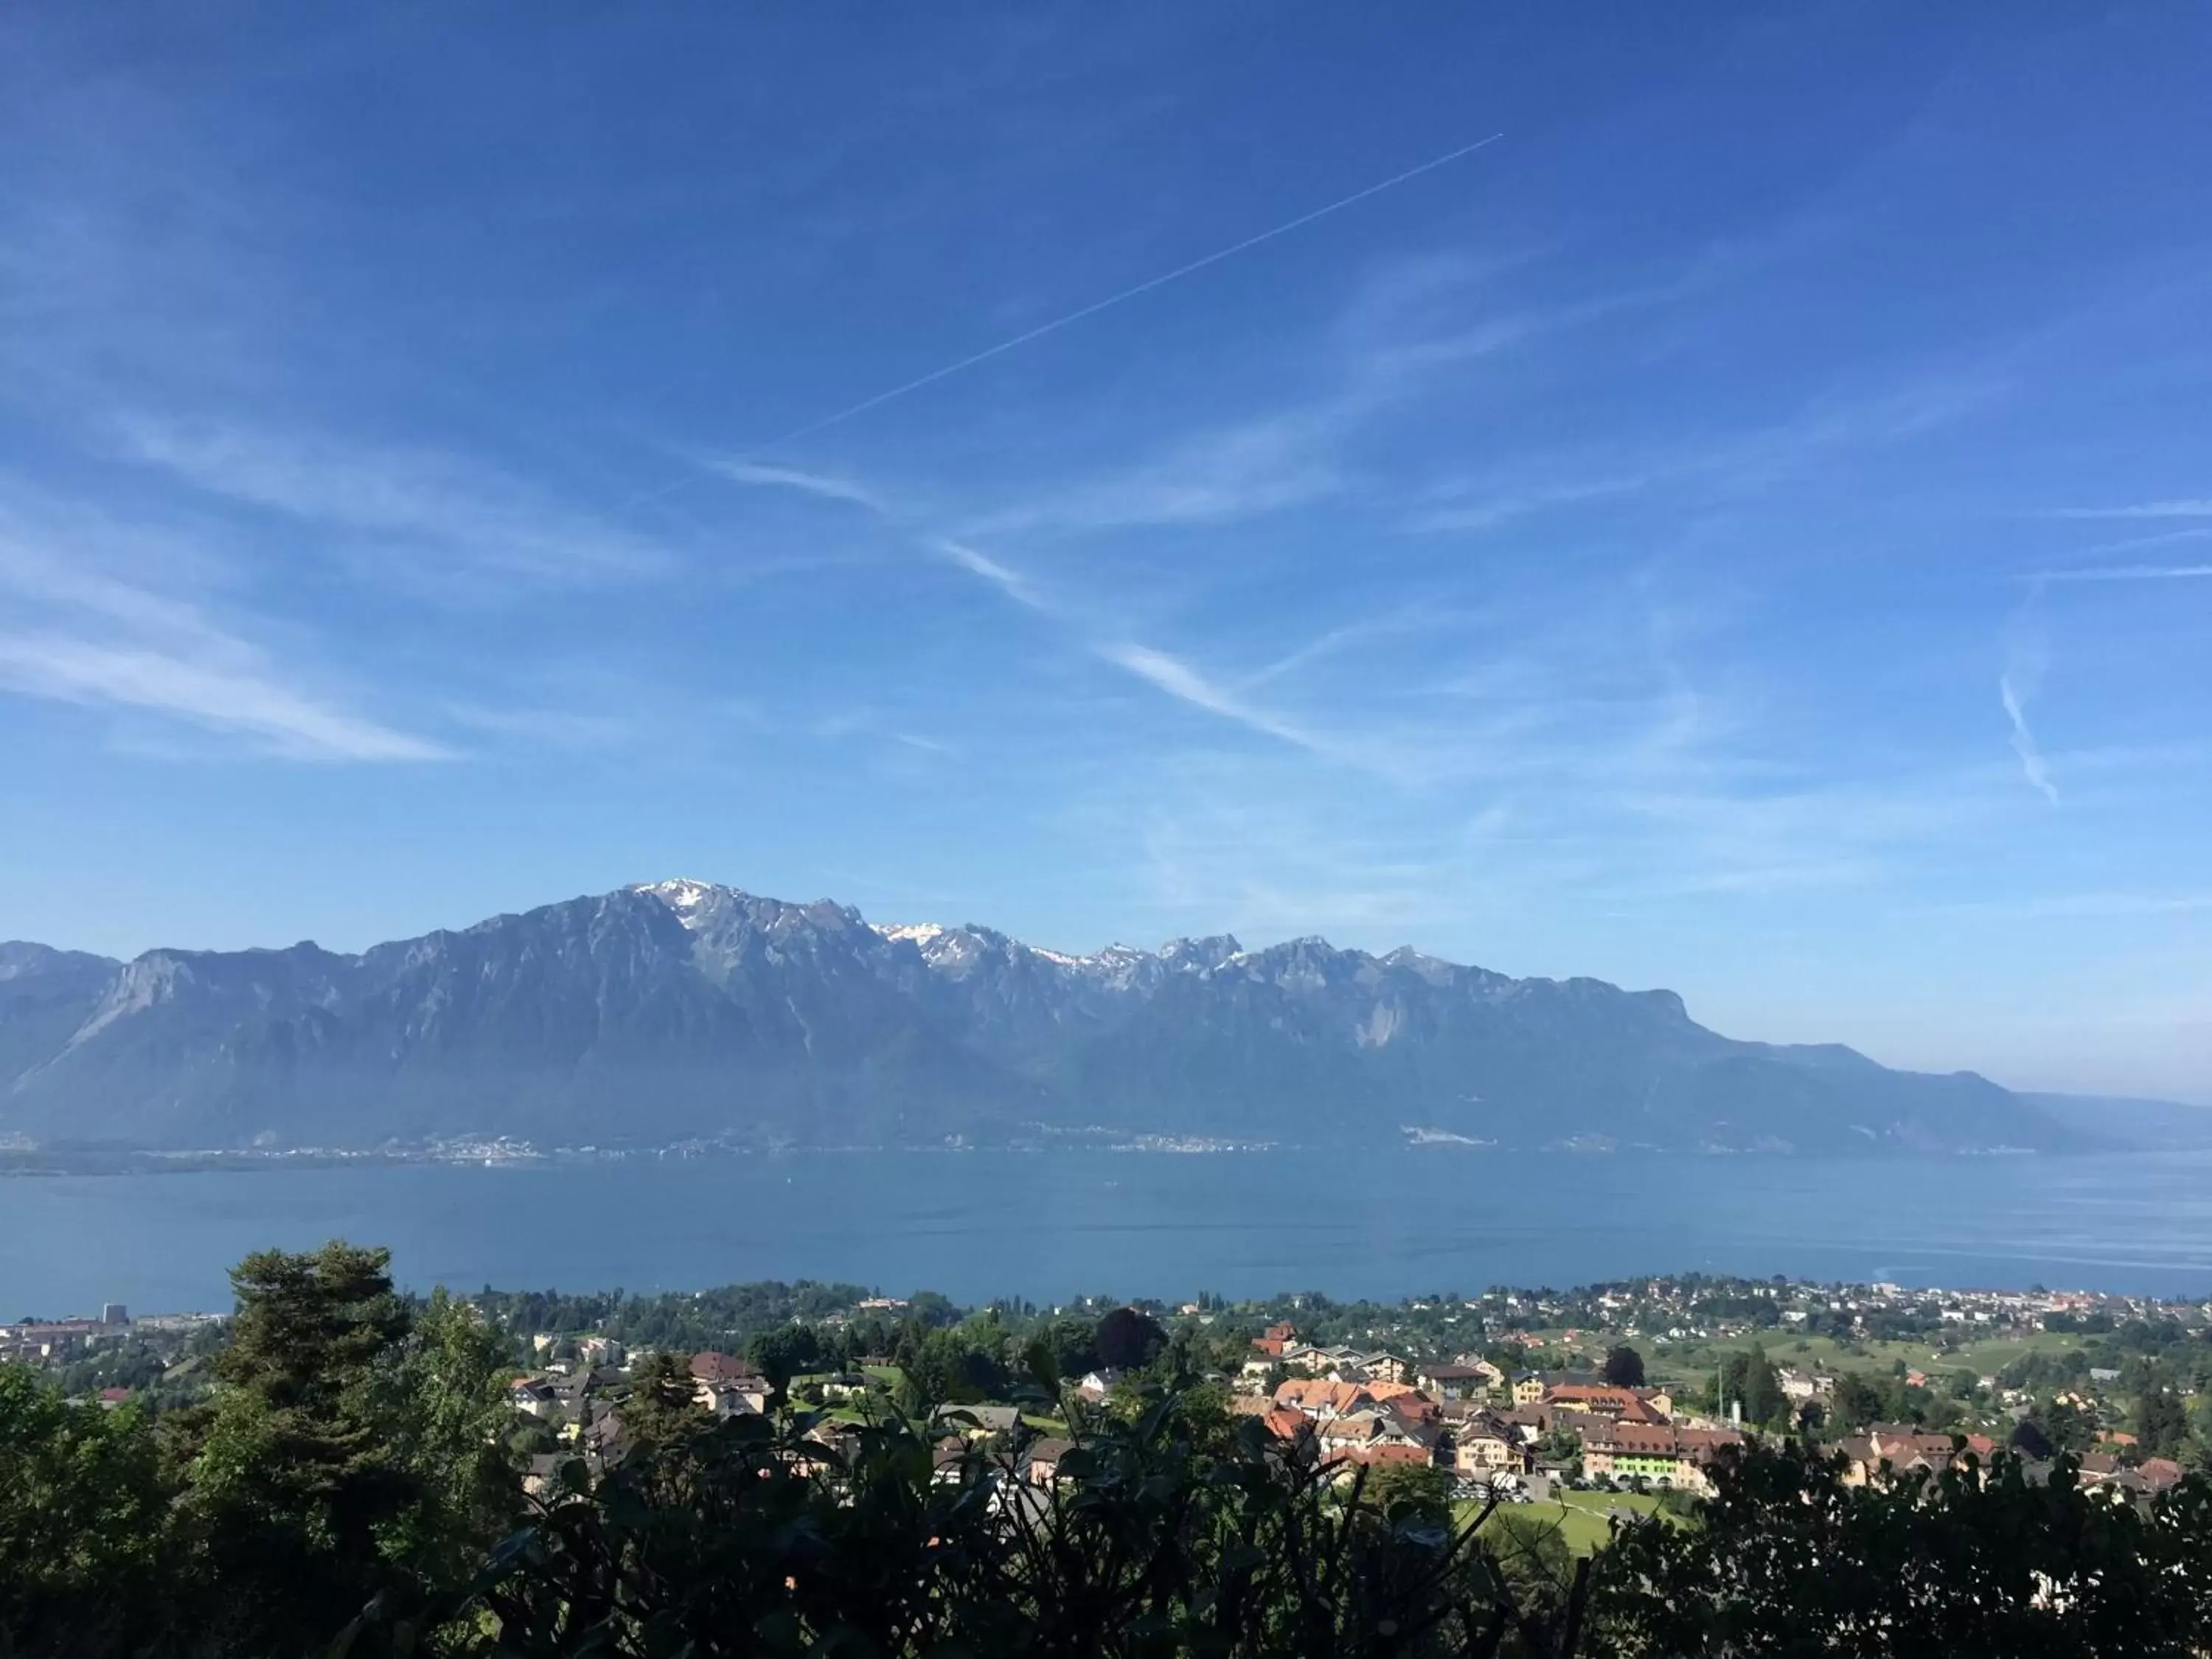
(679, 1010)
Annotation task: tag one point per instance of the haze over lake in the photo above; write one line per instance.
(1383, 1223)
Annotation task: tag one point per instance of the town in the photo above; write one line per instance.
(1589, 1403)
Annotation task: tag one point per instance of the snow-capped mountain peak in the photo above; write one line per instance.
(694, 901)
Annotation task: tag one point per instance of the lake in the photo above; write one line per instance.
(1385, 1223)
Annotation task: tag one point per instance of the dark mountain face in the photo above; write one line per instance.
(680, 1010)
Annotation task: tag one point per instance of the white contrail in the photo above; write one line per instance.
(1126, 293)
(2129, 572)
(1091, 310)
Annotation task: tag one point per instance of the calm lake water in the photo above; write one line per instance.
(1390, 1222)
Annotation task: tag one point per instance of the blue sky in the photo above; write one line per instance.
(1745, 530)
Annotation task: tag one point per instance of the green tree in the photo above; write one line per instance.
(84, 1523)
(1127, 1340)
(1975, 1564)
(1074, 1344)
(2066, 1426)
(784, 1353)
(2161, 1425)
(454, 1424)
(292, 1468)
(1856, 1402)
(663, 1408)
(1624, 1367)
(1750, 1378)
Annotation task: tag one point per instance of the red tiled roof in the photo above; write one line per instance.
(1389, 1454)
(1320, 1394)
(722, 1368)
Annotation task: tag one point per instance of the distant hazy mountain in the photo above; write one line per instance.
(2163, 1126)
(679, 1010)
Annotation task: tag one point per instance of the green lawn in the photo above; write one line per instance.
(1643, 1502)
(1692, 1363)
(1580, 1517)
(1583, 1531)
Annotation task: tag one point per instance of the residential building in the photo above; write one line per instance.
(1487, 1445)
(1454, 1381)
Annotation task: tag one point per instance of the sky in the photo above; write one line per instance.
(1715, 497)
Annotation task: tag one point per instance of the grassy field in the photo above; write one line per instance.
(1693, 1362)
(1643, 1502)
(1584, 1531)
(1580, 1516)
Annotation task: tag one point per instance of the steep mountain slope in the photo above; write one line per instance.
(46, 995)
(682, 1009)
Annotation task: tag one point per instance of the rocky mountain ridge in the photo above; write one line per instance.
(678, 1011)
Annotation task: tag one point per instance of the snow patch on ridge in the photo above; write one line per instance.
(692, 901)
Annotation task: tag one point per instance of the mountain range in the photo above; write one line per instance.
(676, 1011)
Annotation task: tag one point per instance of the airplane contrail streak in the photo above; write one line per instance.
(1091, 310)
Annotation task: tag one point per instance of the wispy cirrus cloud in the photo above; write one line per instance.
(1179, 680)
(823, 486)
(1158, 669)
(76, 628)
(227, 700)
(1746, 461)
(1239, 471)
(1009, 581)
(2027, 658)
(1490, 508)
(2129, 572)
(1415, 328)
(453, 521)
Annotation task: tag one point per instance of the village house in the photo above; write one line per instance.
(711, 1367)
(1604, 1400)
(1455, 1381)
(1902, 1447)
(1353, 1432)
(2153, 1475)
(1487, 1445)
(978, 1422)
(1664, 1455)
(533, 1397)
(1346, 1467)
(743, 1397)
(1321, 1399)
(1801, 1386)
(1041, 1461)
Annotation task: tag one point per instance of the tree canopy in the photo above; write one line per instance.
(1624, 1367)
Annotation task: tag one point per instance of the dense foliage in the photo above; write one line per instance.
(1787, 1561)
(353, 1483)
(353, 1447)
